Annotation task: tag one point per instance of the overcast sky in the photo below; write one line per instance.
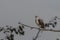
(13, 11)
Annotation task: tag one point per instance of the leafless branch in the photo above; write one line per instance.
(40, 29)
(36, 35)
(51, 30)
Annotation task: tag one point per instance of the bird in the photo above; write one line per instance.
(39, 22)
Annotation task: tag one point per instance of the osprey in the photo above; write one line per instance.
(39, 22)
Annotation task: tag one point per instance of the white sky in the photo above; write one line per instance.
(13, 11)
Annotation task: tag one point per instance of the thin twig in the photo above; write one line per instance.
(28, 26)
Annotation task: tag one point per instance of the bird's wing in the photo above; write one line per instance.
(40, 21)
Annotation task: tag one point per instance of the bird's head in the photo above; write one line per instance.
(36, 16)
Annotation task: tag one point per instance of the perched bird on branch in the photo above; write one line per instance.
(39, 22)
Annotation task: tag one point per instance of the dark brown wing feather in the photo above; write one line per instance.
(41, 23)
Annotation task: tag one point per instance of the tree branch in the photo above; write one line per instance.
(39, 28)
(36, 35)
(28, 26)
(51, 30)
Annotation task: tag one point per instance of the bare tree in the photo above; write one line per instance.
(19, 29)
